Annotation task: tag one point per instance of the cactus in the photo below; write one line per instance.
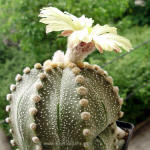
(65, 104)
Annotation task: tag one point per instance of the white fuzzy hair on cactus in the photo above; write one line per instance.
(83, 36)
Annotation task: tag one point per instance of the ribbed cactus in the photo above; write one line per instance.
(67, 104)
(64, 107)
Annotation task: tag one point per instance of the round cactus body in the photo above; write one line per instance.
(64, 106)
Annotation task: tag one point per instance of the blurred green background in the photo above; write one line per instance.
(23, 42)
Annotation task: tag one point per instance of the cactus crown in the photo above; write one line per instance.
(67, 104)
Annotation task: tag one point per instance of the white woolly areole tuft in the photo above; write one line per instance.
(42, 76)
(26, 70)
(10, 131)
(12, 142)
(85, 115)
(120, 133)
(58, 56)
(35, 139)
(82, 90)
(8, 108)
(109, 79)
(38, 66)
(84, 102)
(121, 101)
(7, 120)
(12, 87)
(121, 113)
(32, 126)
(79, 79)
(33, 111)
(38, 147)
(39, 86)
(8, 97)
(47, 63)
(18, 77)
(76, 70)
(36, 98)
(86, 132)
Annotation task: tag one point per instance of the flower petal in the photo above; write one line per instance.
(56, 20)
(66, 33)
(98, 29)
(99, 48)
(86, 22)
(110, 42)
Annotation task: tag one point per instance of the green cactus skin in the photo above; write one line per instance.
(64, 107)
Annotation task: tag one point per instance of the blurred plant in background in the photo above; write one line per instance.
(136, 14)
(21, 23)
(23, 42)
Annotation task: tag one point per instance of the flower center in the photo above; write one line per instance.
(89, 29)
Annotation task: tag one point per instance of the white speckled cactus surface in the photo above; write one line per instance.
(68, 104)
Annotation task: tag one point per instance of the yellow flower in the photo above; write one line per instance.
(81, 30)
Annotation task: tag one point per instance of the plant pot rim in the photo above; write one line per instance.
(130, 128)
